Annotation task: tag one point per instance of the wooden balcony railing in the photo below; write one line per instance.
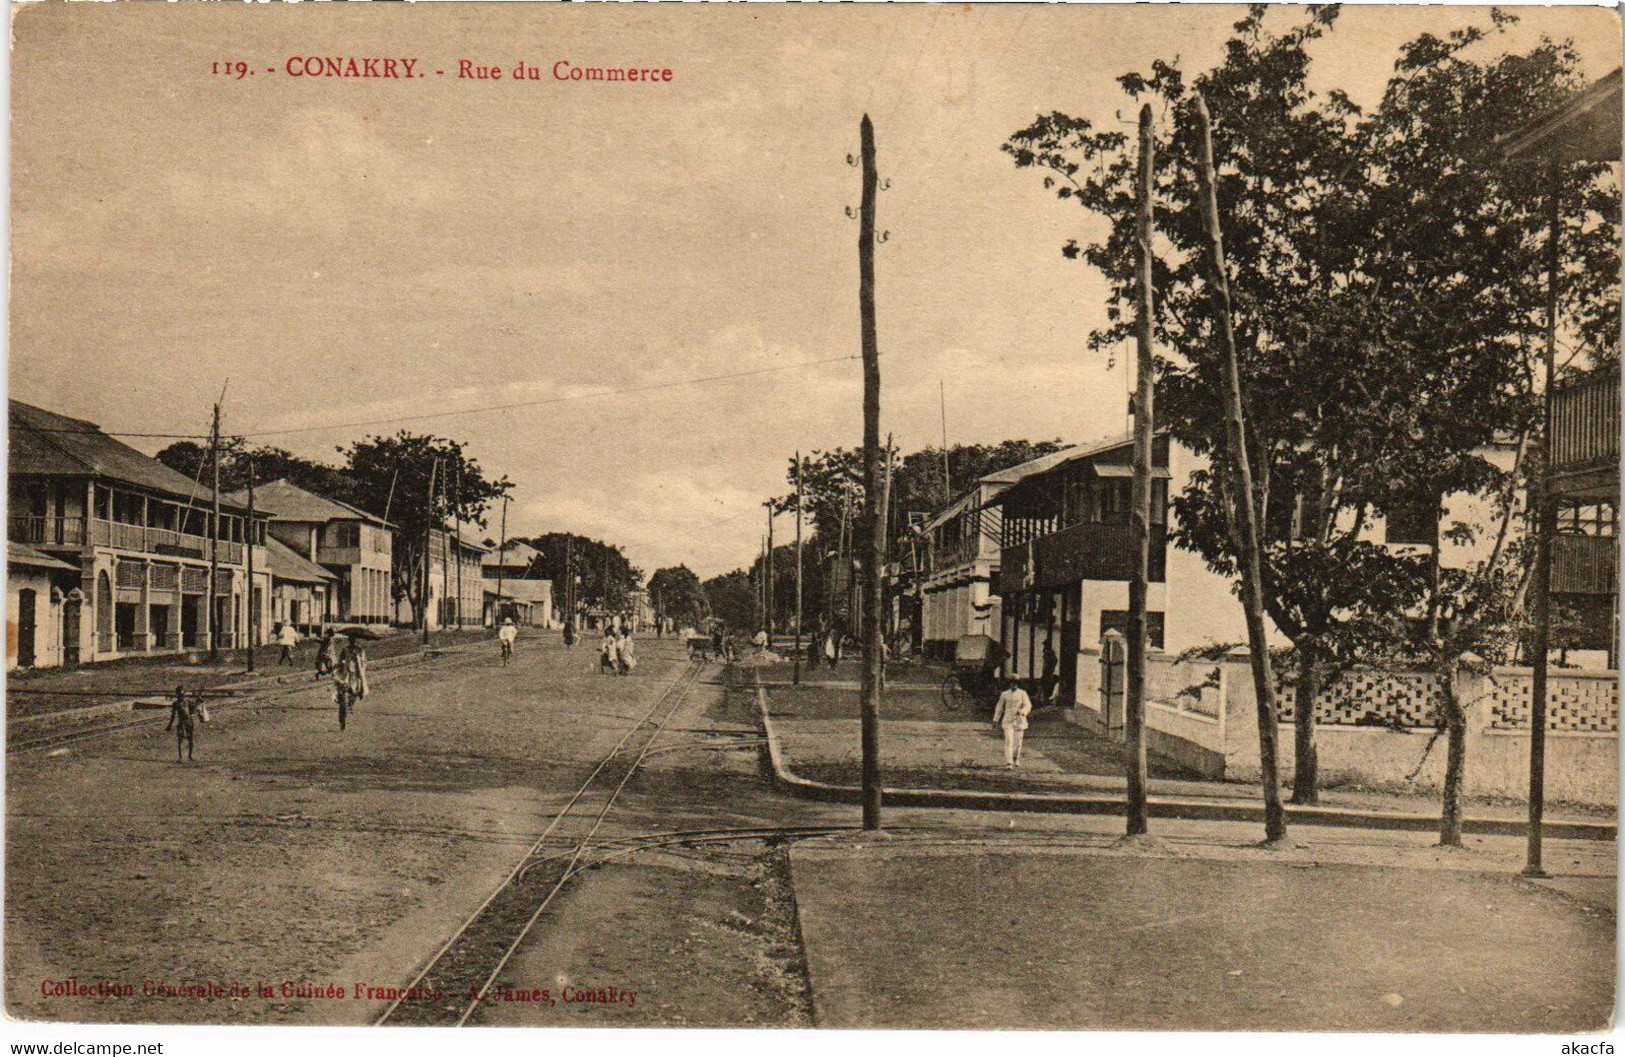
(153, 540)
(46, 531)
(1585, 565)
(1086, 551)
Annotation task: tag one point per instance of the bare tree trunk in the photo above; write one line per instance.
(1455, 766)
(1306, 758)
(1246, 504)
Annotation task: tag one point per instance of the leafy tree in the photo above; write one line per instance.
(675, 592)
(1381, 306)
(731, 598)
(392, 478)
(269, 464)
(590, 558)
(1455, 274)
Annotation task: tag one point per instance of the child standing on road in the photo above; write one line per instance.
(326, 654)
(184, 714)
(608, 654)
(1011, 713)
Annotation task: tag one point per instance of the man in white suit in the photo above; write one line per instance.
(1011, 713)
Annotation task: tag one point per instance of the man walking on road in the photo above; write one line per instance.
(506, 636)
(1011, 713)
(286, 637)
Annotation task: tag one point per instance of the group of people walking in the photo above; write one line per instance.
(616, 654)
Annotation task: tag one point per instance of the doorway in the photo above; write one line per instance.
(27, 615)
(158, 619)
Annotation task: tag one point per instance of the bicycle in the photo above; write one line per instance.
(507, 652)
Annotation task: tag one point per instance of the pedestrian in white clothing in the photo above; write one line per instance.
(1011, 713)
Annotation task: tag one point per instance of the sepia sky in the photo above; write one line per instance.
(347, 251)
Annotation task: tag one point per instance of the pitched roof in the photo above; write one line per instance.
(46, 443)
(289, 564)
(528, 590)
(286, 501)
(515, 553)
(21, 554)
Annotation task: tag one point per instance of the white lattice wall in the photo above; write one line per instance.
(1371, 697)
(1587, 704)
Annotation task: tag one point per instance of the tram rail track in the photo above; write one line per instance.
(452, 985)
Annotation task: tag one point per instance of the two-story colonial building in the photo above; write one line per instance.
(957, 585)
(135, 537)
(353, 545)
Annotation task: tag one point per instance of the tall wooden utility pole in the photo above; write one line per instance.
(1545, 527)
(1144, 433)
(457, 525)
(502, 558)
(885, 557)
(869, 700)
(253, 611)
(1244, 502)
(570, 578)
(446, 605)
(428, 545)
(942, 405)
(214, 537)
(767, 574)
(795, 677)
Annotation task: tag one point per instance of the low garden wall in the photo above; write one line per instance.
(1378, 727)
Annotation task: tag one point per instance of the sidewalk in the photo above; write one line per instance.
(958, 758)
(119, 686)
(1195, 936)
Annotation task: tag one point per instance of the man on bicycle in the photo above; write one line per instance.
(505, 635)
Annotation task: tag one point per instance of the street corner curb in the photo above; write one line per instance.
(1184, 808)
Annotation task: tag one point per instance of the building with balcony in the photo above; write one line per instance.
(1585, 488)
(136, 538)
(956, 581)
(456, 585)
(353, 545)
(1066, 554)
(1585, 410)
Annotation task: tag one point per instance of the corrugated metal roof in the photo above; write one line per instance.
(47, 444)
(515, 553)
(286, 501)
(288, 564)
(22, 554)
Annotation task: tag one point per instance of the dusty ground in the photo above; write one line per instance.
(1064, 938)
(292, 852)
